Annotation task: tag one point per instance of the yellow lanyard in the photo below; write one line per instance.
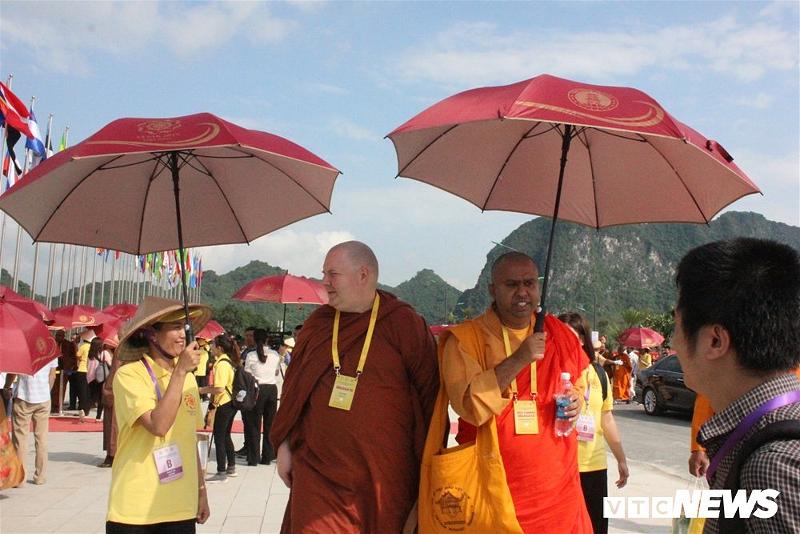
(335, 343)
(534, 387)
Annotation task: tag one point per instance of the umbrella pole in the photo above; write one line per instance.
(173, 163)
(283, 324)
(566, 138)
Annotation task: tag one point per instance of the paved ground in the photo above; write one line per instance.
(74, 498)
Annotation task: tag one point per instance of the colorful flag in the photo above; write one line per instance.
(11, 172)
(13, 113)
(63, 144)
(34, 142)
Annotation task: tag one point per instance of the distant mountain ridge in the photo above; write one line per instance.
(618, 268)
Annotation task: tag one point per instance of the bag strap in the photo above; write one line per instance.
(601, 374)
(777, 431)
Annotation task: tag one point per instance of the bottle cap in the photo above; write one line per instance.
(565, 376)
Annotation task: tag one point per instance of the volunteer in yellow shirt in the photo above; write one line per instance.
(156, 483)
(78, 379)
(227, 361)
(595, 427)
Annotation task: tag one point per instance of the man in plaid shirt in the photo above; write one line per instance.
(737, 332)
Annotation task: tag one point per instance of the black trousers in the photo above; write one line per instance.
(263, 412)
(95, 397)
(186, 526)
(223, 421)
(78, 384)
(595, 487)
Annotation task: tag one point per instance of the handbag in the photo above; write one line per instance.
(102, 371)
(463, 488)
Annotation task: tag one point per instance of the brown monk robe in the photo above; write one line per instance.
(358, 470)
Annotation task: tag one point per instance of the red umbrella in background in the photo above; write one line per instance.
(26, 343)
(437, 329)
(78, 315)
(123, 310)
(30, 305)
(110, 328)
(506, 148)
(283, 288)
(640, 337)
(211, 330)
(169, 183)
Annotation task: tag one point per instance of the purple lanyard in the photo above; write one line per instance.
(746, 424)
(153, 378)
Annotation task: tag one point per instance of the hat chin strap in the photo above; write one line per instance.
(151, 338)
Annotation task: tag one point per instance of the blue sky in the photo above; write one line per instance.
(336, 77)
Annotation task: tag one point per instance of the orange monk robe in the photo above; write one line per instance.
(357, 471)
(542, 469)
(702, 413)
(622, 377)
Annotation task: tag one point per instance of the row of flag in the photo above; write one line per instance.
(166, 265)
(18, 121)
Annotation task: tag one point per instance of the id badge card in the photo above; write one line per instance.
(585, 427)
(344, 388)
(168, 463)
(526, 420)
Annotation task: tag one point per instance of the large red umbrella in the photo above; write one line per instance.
(640, 337)
(169, 183)
(25, 342)
(283, 288)
(78, 315)
(506, 148)
(30, 305)
(123, 310)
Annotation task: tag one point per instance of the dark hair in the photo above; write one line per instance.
(581, 326)
(260, 338)
(229, 346)
(250, 329)
(750, 287)
(95, 348)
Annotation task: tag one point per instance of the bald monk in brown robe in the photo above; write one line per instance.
(355, 470)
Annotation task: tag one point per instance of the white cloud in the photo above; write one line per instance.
(300, 252)
(482, 53)
(69, 33)
(347, 128)
(759, 101)
(778, 177)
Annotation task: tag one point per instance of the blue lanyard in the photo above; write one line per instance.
(152, 377)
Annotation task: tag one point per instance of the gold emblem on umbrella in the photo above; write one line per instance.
(653, 114)
(166, 133)
(593, 100)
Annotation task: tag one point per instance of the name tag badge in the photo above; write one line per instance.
(344, 388)
(168, 463)
(585, 427)
(526, 420)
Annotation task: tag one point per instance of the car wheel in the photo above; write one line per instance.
(652, 406)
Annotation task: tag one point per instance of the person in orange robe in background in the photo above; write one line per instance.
(622, 376)
(541, 469)
(698, 459)
(355, 471)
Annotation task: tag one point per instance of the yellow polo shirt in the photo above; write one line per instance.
(223, 378)
(592, 454)
(137, 497)
(202, 367)
(82, 354)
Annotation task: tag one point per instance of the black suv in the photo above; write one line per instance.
(660, 387)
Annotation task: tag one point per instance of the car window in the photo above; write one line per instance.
(671, 364)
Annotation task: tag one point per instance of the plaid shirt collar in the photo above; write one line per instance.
(713, 432)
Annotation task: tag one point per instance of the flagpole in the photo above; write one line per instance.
(50, 264)
(2, 160)
(113, 279)
(61, 277)
(94, 274)
(71, 277)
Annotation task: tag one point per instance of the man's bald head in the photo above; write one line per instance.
(360, 255)
(510, 257)
(350, 276)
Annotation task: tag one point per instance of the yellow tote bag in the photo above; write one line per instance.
(463, 488)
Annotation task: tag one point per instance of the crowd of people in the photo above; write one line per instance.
(360, 428)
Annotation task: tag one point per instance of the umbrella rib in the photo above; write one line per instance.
(508, 158)
(222, 192)
(683, 182)
(447, 131)
(65, 197)
(108, 166)
(287, 175)
(585, 142)
(153, 175)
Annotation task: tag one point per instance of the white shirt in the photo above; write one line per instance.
(35, 389)
(264, 373)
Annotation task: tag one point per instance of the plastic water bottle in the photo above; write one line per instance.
(563, 426)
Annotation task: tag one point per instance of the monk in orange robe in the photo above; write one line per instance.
(622, 377)
(541, 469)
(356, 470)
